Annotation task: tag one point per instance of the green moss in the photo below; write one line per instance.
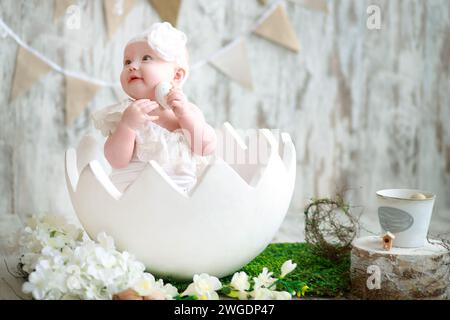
(325, 278)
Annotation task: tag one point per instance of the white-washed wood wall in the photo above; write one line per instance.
(367, 109)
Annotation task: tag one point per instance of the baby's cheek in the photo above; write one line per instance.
(151, 82)
(154, 75)
(123, 80)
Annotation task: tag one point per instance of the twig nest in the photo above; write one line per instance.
(330, 226)
(418, 196)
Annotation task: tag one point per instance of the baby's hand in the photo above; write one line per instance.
(177, 101)
(136, 115)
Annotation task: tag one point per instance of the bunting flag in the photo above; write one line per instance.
(29, 69)
(116, 11)
(315, 5)
(278, 28)
(167, 10)
(61, 7)
(78, 95)
(233, 62)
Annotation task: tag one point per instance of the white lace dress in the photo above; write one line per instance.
(169, 148)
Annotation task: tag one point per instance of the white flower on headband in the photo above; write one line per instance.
(167, 41)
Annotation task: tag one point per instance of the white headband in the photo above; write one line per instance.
(168, 42)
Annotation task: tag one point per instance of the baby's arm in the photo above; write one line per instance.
(120, 145)
(201, 135)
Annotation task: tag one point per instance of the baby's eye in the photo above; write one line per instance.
(147, 58)
(127, 62)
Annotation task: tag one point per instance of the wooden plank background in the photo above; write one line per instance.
(366, 109)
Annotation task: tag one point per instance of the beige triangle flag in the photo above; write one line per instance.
(29, 69)
(167, 10)
(233, 62)
(315, 5)
(116, 12)
(61, 7)
(278, 28)
(78, 95)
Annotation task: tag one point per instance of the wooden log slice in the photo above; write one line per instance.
(400, 273)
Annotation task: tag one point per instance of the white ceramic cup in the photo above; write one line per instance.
(405, 217)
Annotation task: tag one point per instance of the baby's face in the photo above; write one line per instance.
(143, 70)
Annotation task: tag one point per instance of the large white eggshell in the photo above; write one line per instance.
(229, 217)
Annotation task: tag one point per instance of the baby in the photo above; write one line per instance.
(140, 129)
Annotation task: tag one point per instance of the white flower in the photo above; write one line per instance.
(73, 283)
(105, 258)
(47, 236)
(37, 283)
(168, 290)
(54, 294)
(93, 292)
(167, 41)
(267, 294)
(73, 270)
(29, 261)
(51, 252)
(262, 294)
(240, 282)
(281, 295)
(63, 265)
(204, 287)
(287, 267)
(146, 285)
(57, 242)
(105, 241)
(264, 279)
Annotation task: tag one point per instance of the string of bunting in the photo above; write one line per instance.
(232, 60)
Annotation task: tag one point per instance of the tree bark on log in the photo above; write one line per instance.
(400, 273)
